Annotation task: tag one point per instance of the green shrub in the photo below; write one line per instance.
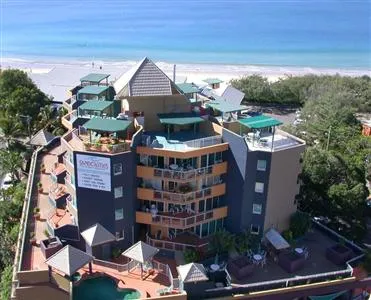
(300, 223)
(191, 255)
(116, 252)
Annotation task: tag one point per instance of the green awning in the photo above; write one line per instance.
(94, 77)
(107, 125)
(225, 107)
(188, 88)
(93, 89)
(97, 105)
(259, 122)
(212, 80)
(180, 118)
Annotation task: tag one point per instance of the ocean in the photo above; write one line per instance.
(325, 33)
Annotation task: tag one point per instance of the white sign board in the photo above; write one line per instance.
(93, 172)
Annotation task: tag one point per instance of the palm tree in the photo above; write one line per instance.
(46, 116)
(10, 128)
(10, 162)
(220, 242)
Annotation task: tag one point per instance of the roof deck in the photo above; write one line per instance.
(180, 141)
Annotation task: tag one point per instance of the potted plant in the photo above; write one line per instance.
(40, 187)
(36, 213)
(32, 238)
(47, 234)
(42, 167)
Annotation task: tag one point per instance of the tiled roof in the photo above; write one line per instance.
(41, 138)
(69, 260)
(140, 252)
(144, 79)
(192, 273)
(97, 235)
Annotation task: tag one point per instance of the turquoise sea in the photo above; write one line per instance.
(316, 33)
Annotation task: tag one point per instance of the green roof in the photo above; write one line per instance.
(188, 88)
(94, 77)
(225, 107)
(212, 80)
(106, 125)
(180, 118)
(93, 89)
(97, 105)
(259, 122)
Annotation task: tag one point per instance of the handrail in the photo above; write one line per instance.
(23, 222)
(196, 143)
(151, 241)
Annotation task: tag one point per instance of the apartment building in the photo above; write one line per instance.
(144, 164)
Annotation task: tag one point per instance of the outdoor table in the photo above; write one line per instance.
(257, 257)
(299, 250)
(214, 267)
(173, 166)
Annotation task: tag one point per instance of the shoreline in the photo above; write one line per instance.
(54, 77)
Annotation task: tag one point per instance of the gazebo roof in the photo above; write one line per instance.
(41, 138)
(188, 87)
(97, 105)
(68, 260)
(97, 235)
(140, 252)
(212, 80)
(106, 125)
(225, 107)
(192, 272)
(180, 118)
(259, 122)
(93, 89)
(94, 77)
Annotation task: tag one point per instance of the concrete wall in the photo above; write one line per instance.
(284, 170)
(95, 206)
(152, 105)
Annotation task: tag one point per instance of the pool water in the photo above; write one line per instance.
(102, 288)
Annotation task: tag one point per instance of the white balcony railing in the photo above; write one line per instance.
(175, 174)
(182, 198)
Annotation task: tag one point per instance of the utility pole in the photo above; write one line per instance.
(328, 138)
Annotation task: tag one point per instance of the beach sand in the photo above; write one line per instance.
(55, 78)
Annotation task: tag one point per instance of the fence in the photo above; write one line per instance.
(23, 222)
(169, 245)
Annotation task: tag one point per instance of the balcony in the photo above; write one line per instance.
(149, 172)
(182, 144)
(153, 195)
(57, 192)
(180, 220)
(69, 103)
(81, 142)
(181, 242)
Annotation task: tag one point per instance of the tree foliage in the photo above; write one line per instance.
(296, 90)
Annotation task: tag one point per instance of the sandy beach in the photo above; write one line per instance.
(56, 77)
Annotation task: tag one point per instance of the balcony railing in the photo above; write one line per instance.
(169, 245)
(176, 222)
(197, 143)
(182, 198)
(180, 175)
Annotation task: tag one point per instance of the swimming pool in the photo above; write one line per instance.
(102, 288)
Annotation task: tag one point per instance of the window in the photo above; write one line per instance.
(211, 159)
(120, 235)
(262, 165)
(119, 214)
(257, 209)
(212, 227)
(209, 204)
(218, 157)
(117, 169)
(259, 187)
(201, 206)
(215, 202)
(118, 191)
(205, 229)
(203, 161)
(254, 229)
